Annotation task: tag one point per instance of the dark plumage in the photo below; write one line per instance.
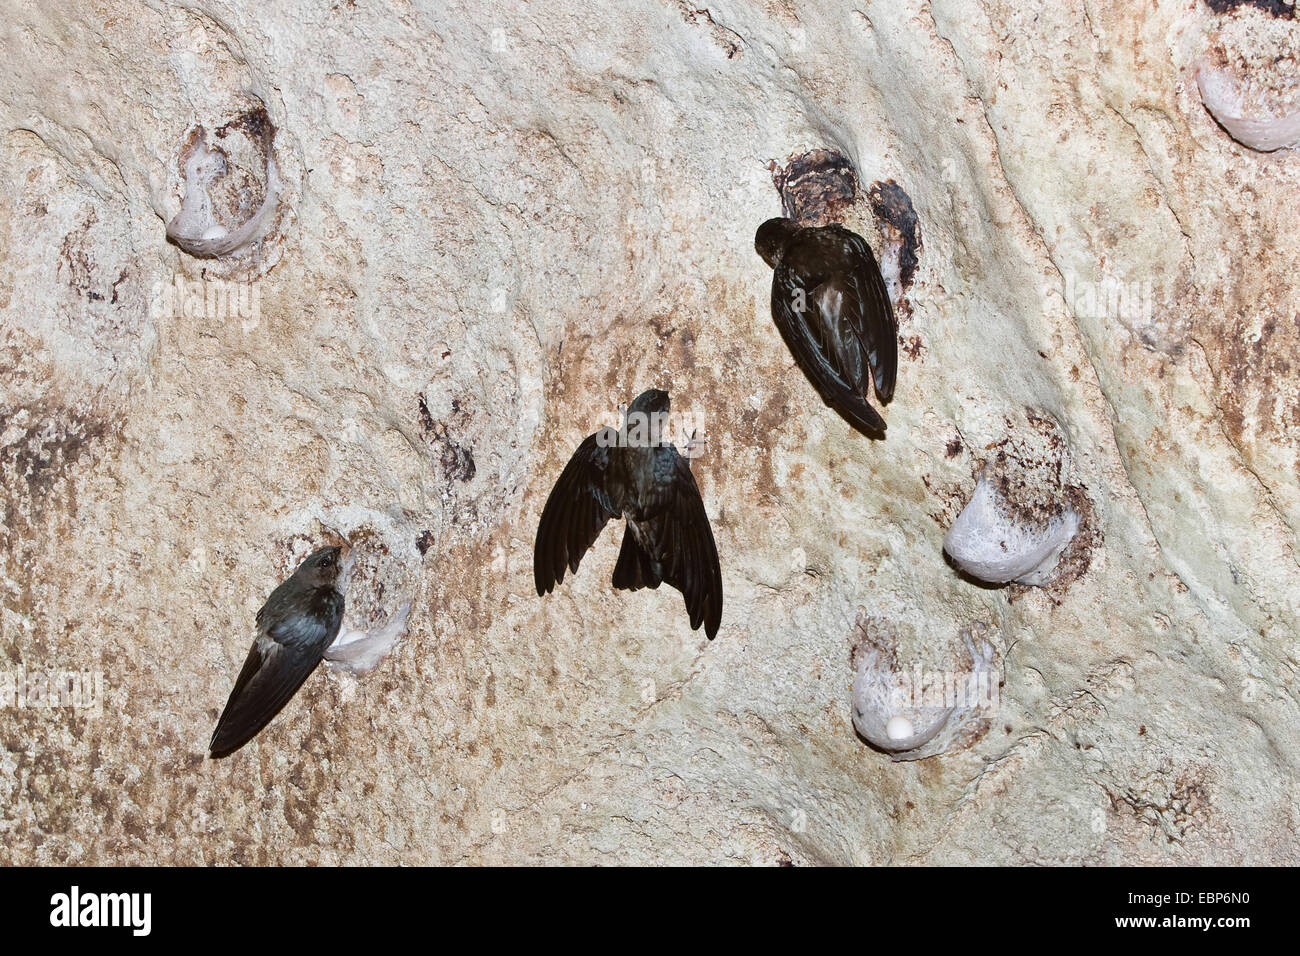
(635, 474)
(297, 623)
(831, 306)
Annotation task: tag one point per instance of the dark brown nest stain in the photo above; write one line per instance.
(37, 491)
(1077, 557)
(32, 465)
(1009, 469)
(1274, 8)
(457, 461)
(256, 125)
(75, 267)
(893, 207)
(816, 187)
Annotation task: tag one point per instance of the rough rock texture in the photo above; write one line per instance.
(502, 220)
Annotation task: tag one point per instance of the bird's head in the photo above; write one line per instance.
(650, 402)
(322, 568)
(773, 238)
(646, 423)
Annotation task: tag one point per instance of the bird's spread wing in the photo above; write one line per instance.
(693, 567)
(285, 652)
(813, 338)
(575, 513)
(677, 540)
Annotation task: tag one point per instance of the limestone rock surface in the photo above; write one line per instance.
(499, 220)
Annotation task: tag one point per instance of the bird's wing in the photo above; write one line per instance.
(281, 657)
(681, 539)
(867, 310)
(811, 336)
(575, 513)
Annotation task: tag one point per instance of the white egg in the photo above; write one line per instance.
(899, 728)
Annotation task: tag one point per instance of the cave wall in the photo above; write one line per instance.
(500, 221)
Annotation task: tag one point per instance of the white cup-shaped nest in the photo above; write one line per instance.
(361, 651)
(198, 228)
(992, 542)
(887, 714)
(1248, 119)
(917, 713)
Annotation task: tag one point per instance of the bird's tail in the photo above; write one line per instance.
(858, 412)
(634, 570)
